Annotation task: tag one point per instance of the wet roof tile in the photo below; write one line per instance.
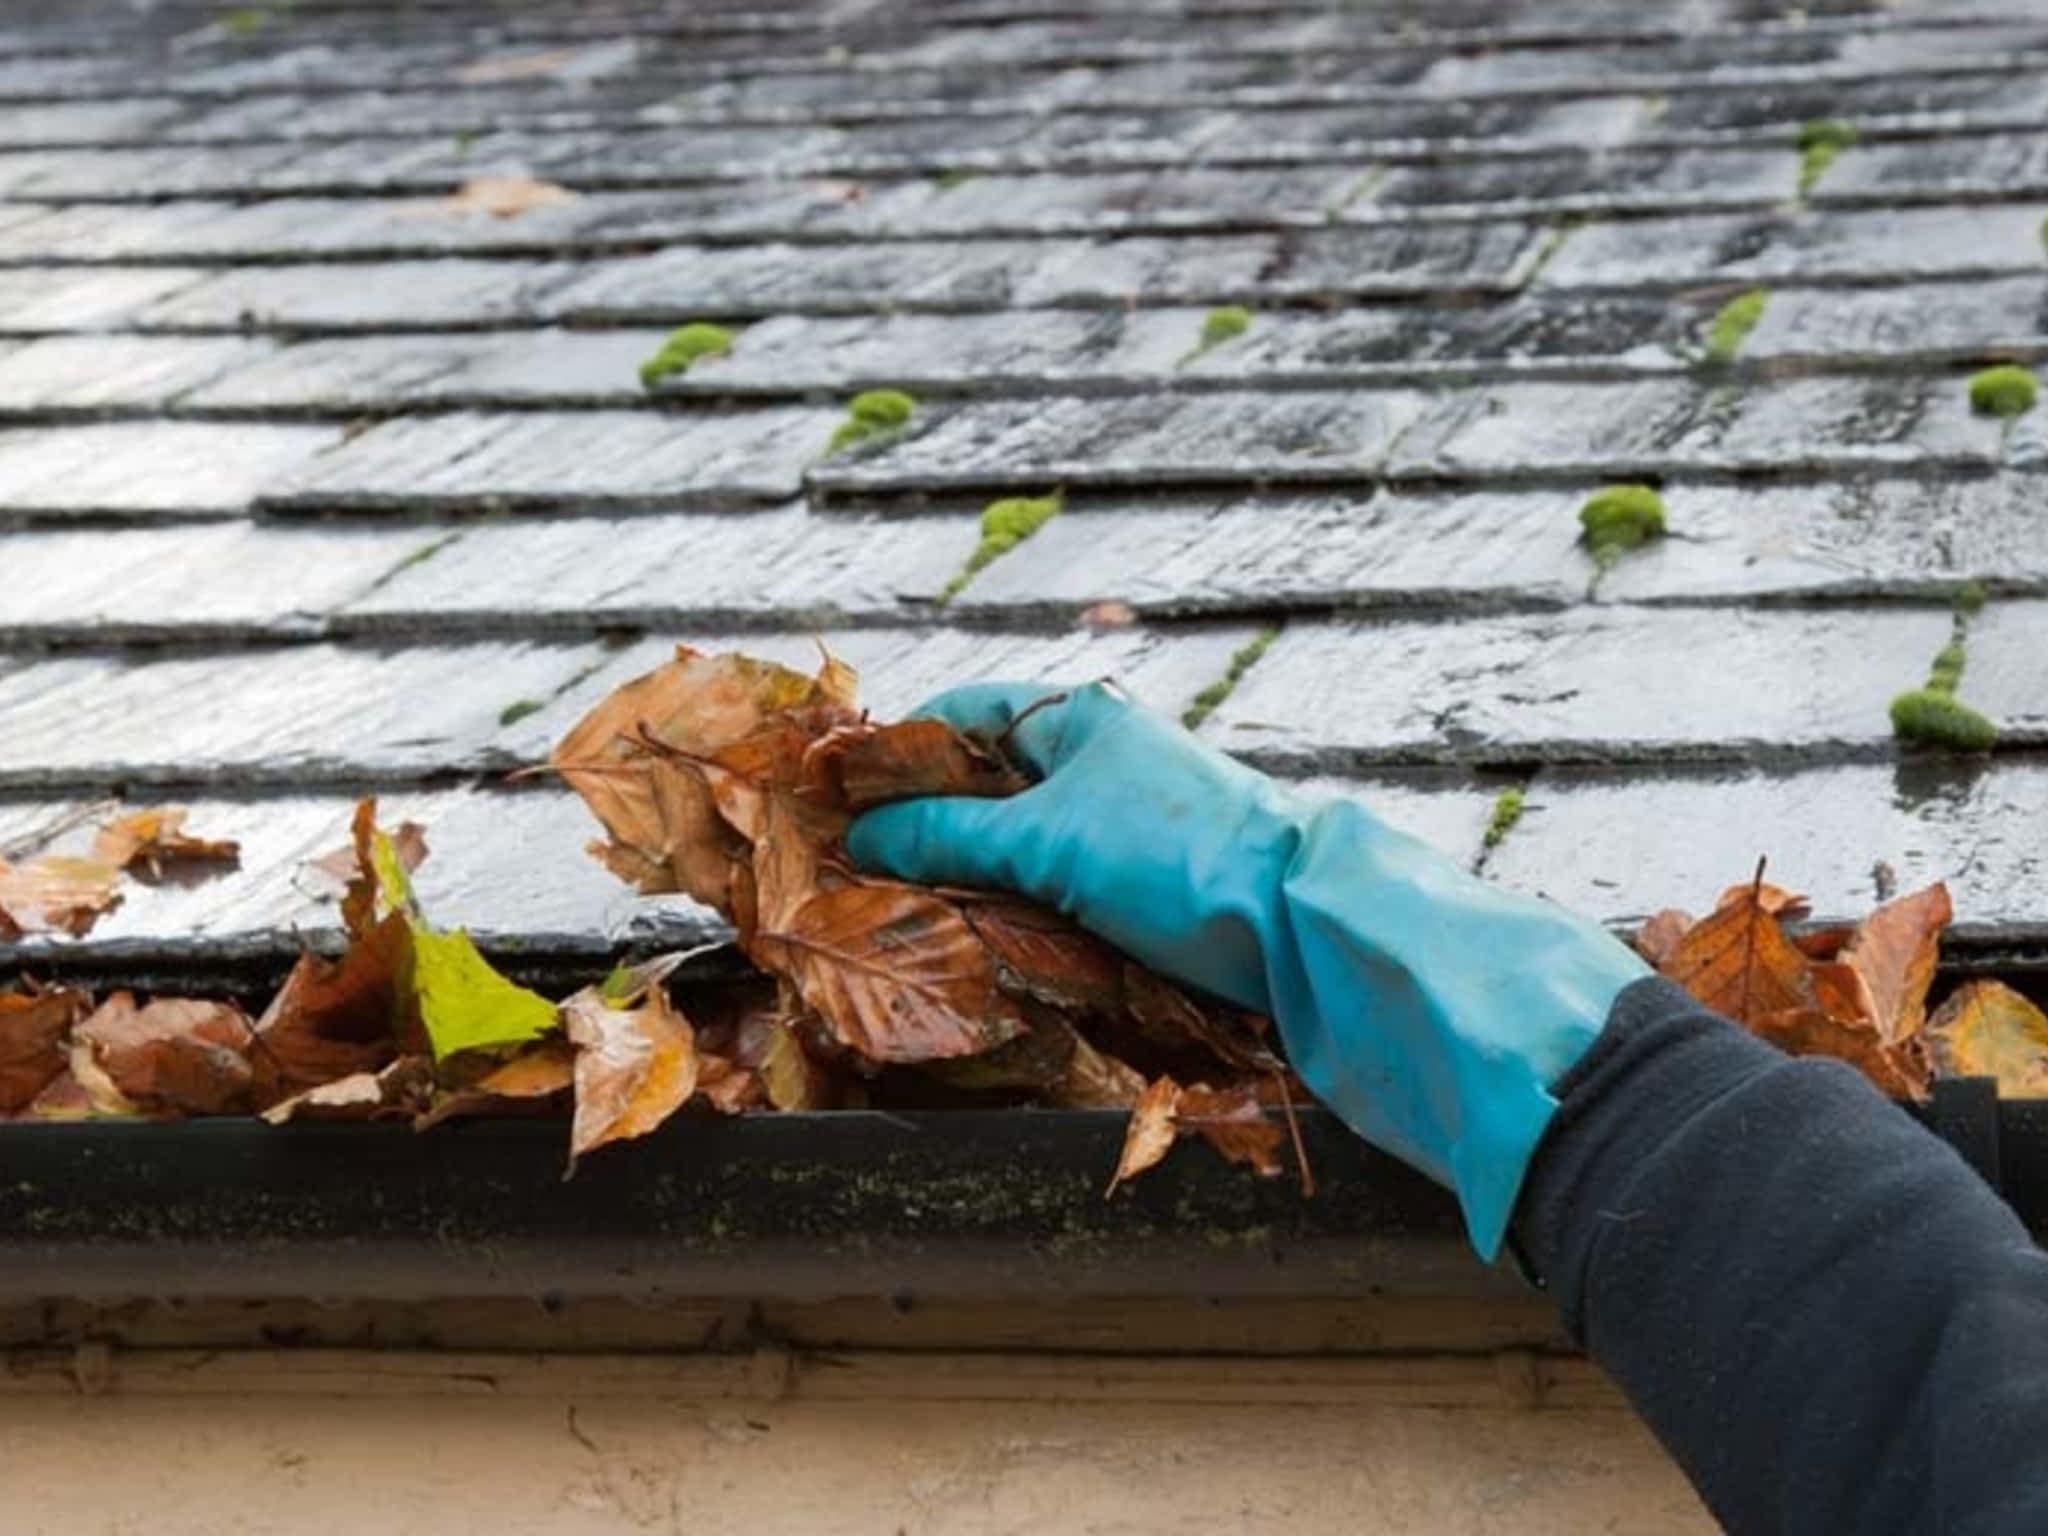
(315, 481)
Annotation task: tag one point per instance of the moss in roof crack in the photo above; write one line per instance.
(1226, 322)
(1932, 715)
(1004, 525)
(1619, 518)
(686, 346)
(954, 176)
(245, 21)
(2007, 390)
(1970, 597)
(1507, 810)
(1732, 324)
(1242, 660)
(873, 416)
(519, 709)
(1820, 140)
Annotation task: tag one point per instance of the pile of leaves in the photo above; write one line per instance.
(734, 780)
(1858, 993)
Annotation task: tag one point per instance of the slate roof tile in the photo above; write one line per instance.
(313, 482)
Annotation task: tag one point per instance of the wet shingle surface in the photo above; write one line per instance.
(320, 475)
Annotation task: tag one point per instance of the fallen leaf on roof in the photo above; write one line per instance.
(35, 1025)
(56, 893)
(342, 866)
(1105, 616)
(1986, 1029)
(503, 67)
(148, 842)
(506, 197)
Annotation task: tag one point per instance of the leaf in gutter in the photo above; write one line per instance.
(335, 1018)
(1738, 961)
(528, 1083)
(148, 842)
(1657, 940)
(53, 893)
(34, 1026)
(395, 1092)
(1149, 1135)
(1894, 951)
(635, 1066)
(464, 1004)
(771, 1046)
(506, 197)
(173, 1055)
(1773, 899)
(1986, 1029)
(1233, 1122)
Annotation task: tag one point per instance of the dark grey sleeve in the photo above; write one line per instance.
(1830, 1321)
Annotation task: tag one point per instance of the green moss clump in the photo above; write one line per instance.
(1242, 660)
(1226, 322)
(1620, 518)
(1947, 672)
(1507, 810)
(686, 346)
(1733, 323)
(1938, 719)
(518, 710)
(2006, 390)
(957, 176)
(1819, 142)
(246, 21)
(872, 415)
(1970, 597)
(1004, 525)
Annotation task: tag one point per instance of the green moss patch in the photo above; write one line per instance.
(873, 415)
(1242, 660)
(2007, 390)
(1004, 525)
(1820, 141)
(518, 710)
(1732, 324)
(1936, 718)
(1619, 518)
(245, 21)
(1225, 323)
(1507, 810)
(686, 346)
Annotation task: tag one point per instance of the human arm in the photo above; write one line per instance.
(1832, 1324)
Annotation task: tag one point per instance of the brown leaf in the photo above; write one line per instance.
(1149, 1136)
(1824, 943)
(1894, 951)
(1986, 1029)
(56, 894)
(878, 764)
(1107, 615)
(1738, 962)
(771, 1045)
(1774, 899)
(342, 865)
(506, 197)
(1041, 955)
(398, 1091)
(728, 1087)
(174, 1055)
(1095, 1080)
(635, 1066)
(1232, 1121)
(1171, 1018)
(34, 1025)
(145, 841)
(1899, 1071)
(500, 68)
(335, 1018)
(666, 832)
(897, 974)
(525, 1083)
(1657, 940)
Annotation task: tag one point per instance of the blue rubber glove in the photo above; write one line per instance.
(1430, 1010)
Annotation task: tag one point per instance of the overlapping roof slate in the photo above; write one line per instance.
(313, 483)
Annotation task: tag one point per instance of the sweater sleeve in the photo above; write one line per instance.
(1828, 1319)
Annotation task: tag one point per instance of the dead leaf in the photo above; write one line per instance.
(144, 842)
(1774, 899)
(335, 1018)
(878, 764)
(1233, 1122)
(1149, 1136)
(1894, 951)
(506, 197)
(1657, 940)
(500, 68)
(529, 1081)
(1739, 962)
(1041, 955)
(1111, 614)
(398, 1091)
(771, 1046)
(34, 1028)
(173, 1055)
(1095, 1080)
(340, 866)
(635, 1066)
(897, 974)
(1986, 1029)
(53, 893)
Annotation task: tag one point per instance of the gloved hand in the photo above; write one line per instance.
(1430, 1010)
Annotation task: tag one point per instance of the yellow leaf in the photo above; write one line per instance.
(1986, 1029)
